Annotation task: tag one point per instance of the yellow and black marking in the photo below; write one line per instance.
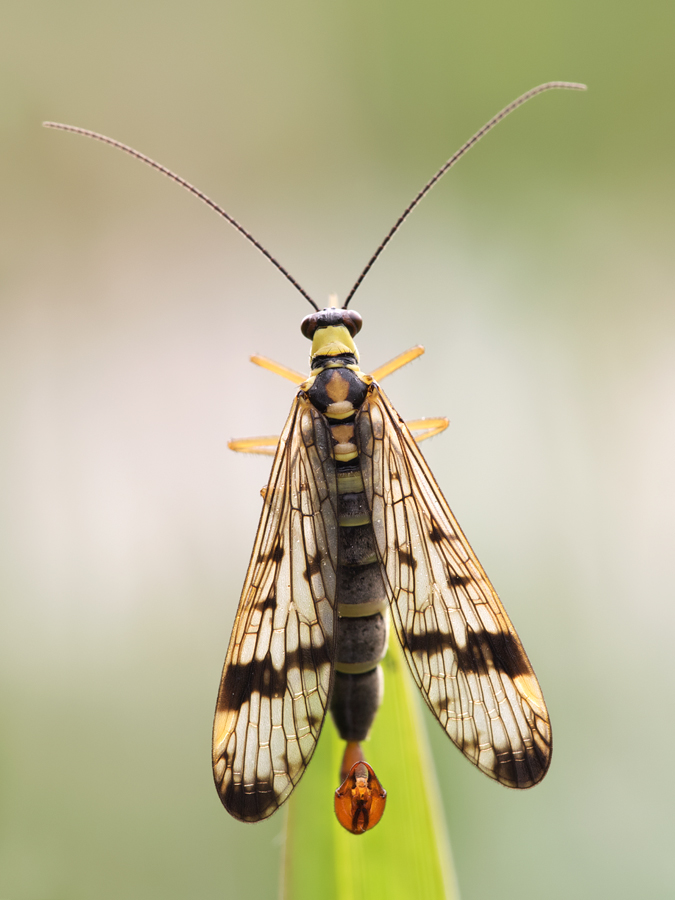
(338, 389)
(353, 523)
(391, 542)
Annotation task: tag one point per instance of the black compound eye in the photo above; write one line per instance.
(353, 321)
(308, 326)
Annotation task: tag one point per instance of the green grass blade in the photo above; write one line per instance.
(407, 854)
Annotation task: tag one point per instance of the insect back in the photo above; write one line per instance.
(338, 389)
(353, 523)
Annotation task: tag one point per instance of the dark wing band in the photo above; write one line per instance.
(460, 645)
(278, 671)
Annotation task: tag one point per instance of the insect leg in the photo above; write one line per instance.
(264, 446)
(397, 362)
(427, 427)
(279, 369)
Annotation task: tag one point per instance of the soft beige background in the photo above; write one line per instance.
(539, 276)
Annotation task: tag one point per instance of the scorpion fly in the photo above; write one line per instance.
(354, 526)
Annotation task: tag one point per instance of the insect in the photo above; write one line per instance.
(354, 525)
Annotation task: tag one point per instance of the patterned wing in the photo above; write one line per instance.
(278, 671)
(460, 645)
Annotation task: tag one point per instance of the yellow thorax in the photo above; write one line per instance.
(333, 340)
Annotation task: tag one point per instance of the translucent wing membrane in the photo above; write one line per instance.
(278, 671)
(461, 647)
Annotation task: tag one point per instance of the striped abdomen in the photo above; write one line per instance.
(363, 623)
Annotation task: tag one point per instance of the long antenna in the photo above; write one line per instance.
(550, 85)
(193, 190)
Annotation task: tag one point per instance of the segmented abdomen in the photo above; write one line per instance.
(363, 623)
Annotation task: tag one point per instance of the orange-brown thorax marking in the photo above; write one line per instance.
(337, 387)
(342, 433)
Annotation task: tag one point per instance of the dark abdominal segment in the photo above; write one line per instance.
(363, 619)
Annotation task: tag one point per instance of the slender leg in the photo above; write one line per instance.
(267, 445)
(279, 369)
(427, 427)
(401, 360)
(264, 446)
(378, 374)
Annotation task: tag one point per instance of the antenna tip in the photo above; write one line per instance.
(566, 85)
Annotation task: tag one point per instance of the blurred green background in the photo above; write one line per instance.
(539, 275)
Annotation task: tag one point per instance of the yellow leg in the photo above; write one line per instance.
(381, 372)
(427, 427)
(401, 360)
(267, 445)
(264, 446)
(278, 369)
